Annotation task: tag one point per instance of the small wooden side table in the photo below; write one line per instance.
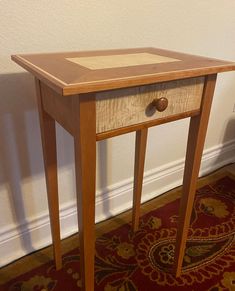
(96, 95)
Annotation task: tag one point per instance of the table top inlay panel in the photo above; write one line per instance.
(118, 61)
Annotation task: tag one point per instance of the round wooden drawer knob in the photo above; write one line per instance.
(160, 104)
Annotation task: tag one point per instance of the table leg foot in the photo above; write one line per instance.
(196, 139)
(48, 135)
(85, 167)
(140, 150)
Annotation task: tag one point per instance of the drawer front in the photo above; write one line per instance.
(125, 107)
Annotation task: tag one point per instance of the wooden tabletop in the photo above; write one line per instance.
(81, 72)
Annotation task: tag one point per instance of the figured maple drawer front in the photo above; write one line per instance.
(124, 107)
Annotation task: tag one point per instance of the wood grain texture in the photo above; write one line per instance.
(68, 78)
(58, 107)
(135, 127)
(140, 150)
(85, 168)
(48, 136)
(124, 107)
(196, 139)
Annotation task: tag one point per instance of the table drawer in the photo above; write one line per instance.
(125, 107)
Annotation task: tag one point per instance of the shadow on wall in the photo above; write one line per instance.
(21, 150)
(20, 144)
(19, 132)
(229, 134)
(228, 144)
(229, 131)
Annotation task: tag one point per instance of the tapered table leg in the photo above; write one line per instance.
(48, 136)
(196, 138)
(140, 149)
(84, 116)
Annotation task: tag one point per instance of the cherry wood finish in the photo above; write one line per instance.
(140, 149)
(68, 78)
(83, 115)
(196, 139)
(48, 136)
(160, 103)
(58, 107)
(57, 77)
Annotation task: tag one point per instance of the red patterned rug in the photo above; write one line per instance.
(143, 261)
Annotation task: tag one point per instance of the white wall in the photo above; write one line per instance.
(199, 27)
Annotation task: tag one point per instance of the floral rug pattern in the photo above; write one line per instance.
(144, 260)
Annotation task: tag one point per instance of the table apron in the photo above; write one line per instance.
(129, 109)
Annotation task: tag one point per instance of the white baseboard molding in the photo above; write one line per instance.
(17, 241)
